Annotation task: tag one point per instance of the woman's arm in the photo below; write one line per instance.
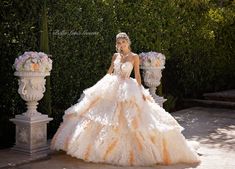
(110, 71)
(137, 69)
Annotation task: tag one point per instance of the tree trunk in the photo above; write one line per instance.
(44, 47)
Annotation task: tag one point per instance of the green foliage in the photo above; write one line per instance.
(170, 103)
(81, 47)
(197, 37)
(19, 32)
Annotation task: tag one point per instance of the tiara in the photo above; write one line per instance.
(123, 35)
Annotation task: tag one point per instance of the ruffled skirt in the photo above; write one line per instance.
(117, 121)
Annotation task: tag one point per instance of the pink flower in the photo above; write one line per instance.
(33, 61)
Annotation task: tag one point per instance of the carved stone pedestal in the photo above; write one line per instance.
(31, 135)
(31, 126)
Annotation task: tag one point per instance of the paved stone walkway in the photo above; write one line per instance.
(213, 128)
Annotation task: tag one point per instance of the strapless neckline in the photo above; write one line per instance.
(122, 69)
(127, 62)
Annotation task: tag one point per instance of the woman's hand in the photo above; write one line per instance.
(144, 97)
(70, 115)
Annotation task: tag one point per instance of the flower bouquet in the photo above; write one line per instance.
(152, 59)
(33, 62)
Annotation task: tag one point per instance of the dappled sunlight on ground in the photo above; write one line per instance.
(212, 127)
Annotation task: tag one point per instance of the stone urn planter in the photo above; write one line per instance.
(31, 89)
(31, 126)
(152, 64)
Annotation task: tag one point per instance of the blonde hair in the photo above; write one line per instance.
(123, 35)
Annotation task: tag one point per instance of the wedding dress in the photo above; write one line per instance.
(117, 121)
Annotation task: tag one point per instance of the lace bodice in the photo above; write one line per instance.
(122, 69)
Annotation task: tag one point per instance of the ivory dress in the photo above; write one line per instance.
(113, 123)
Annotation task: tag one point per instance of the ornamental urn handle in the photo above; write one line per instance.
(22, 84)
(43, 89)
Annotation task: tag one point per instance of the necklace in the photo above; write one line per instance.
(124, 56)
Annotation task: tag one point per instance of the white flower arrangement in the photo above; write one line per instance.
(152, 59)
(33, 62)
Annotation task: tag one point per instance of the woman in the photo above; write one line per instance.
(118, 122)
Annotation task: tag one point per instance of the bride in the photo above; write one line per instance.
(117, 121)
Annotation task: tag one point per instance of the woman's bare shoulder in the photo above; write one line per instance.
(134, 54)
(114, 56)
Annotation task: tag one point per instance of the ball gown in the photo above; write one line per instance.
(117, 121)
